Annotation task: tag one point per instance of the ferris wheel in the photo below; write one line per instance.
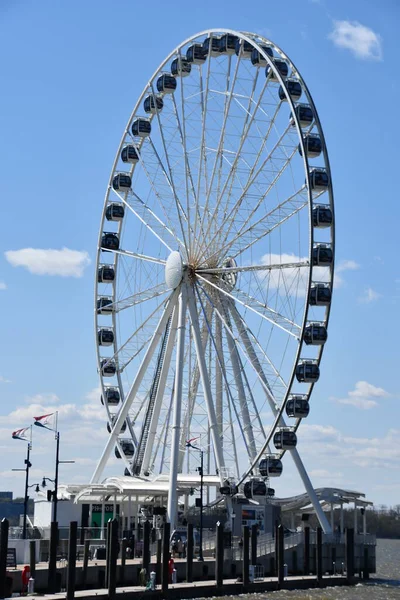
(215, 264)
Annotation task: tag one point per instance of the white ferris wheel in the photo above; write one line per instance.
(215, 267)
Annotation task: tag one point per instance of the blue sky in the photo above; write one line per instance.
(71, 74)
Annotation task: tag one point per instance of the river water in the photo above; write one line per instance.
(385, 585)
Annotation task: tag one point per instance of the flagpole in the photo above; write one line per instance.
(26, 498)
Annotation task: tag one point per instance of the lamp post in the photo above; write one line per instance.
(200, 470)
(42, 422)
(21, 434)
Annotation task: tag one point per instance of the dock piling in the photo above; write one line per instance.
(71, 574)
(319, 555)
(246, 540)
(165, 557)
(219, 555)
(52, 573)
(3, 556)
(112, 560)
(189, 554)
(254, 532)
(349, 553)
(146, 547)
(32, 557)
(306, 562)
(281, 555)
(86, 552)
(124, 546)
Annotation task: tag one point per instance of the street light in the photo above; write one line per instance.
(42, 422)
(200, 470)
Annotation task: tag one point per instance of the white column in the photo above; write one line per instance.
(129, 511)
(212, 419)
(123, 413)
(160, 394)
(172, 508)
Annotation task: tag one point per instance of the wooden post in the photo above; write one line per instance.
(281, 555)
(3, 556)
(71, 574)
(159, 561)
(112, 560)
(366, 565)
(146, 547)
(123, 560)
(189, 554)
(108, 540)
(86, 552)
(219, 555)
(246, 540)
(52, 573)
(306, 562)
(165, 558)
(254, 531)
(32, 557)
(350, 553)
(319, 555)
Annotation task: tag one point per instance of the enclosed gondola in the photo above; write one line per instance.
(270, 466)
(195, 54)
(105, 337)
(180, 67)
(227, 43)
(108, 367)
(307, 371)
(105, 274)
(294, 90)
(315, 334)
(166, 84)
(255, 488)
(130, 154)
(153, 104)
(112, 396)
(312, 145)
(320, 294)
(122, 182)
(214, 43)
(285, 439)
(243, 48)
(322, 255)
(115, 211)
(109, 241)
(110, 426)
(297, 406)
(257, 58)
(127, 448)
(322, 216)
(319, 179)
(141, 128)
(304, 115)
(104, 305)
(281, 66)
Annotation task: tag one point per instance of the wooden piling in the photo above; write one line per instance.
(86, 552)
(349, 553)
(165, 558)
(3, 556)
(219, 555)
(112, 560)
(189, 554)
(254, 532)
(246, 540)
(71, 573)
(319, 555)
(32, 557)
(281, 555)
(306, 556)
(52, 572)
(146, 547)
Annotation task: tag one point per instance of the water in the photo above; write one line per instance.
(385, 585)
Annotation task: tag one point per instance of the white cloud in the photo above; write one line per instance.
(362, 396)
(362, 41)
(342, 267)
(64, 262)
(4, 380)
(3, 286)
(369, 295)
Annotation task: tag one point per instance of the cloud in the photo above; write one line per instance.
(3, 286)
(362, 41)
(342, 267)
(64, 262)
(4, 380)
(369, 295)
(362, 396)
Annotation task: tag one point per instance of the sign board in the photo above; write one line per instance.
(252, 515)
(11, 558)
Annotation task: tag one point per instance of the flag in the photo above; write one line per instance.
(46, 421)
(20, 434)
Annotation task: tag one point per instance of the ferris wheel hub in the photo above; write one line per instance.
(173, 270)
